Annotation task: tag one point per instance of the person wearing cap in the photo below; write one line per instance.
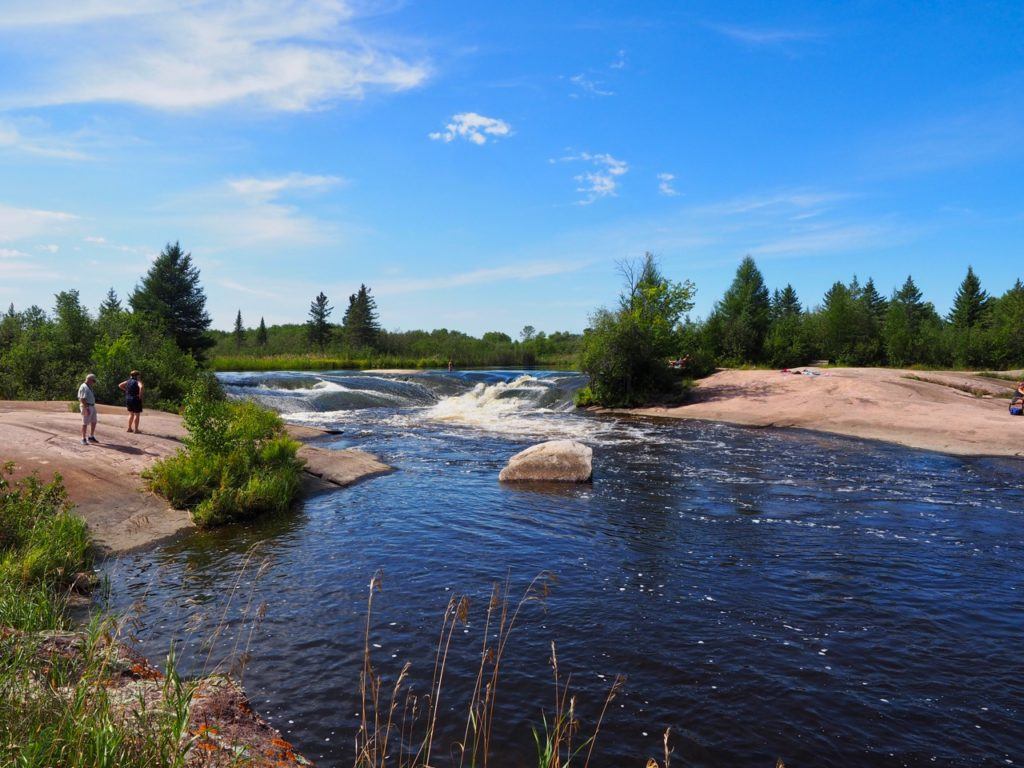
(87, 403)
(132, 389)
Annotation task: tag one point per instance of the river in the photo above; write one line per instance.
(767, 594)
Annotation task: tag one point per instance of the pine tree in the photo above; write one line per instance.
(875, 303)
(785, 303)
(261, 334)
(362, 328)
(741, 319)
(112, 319)
(1008, 328)
(111, 305)
(318, 326)
(911, 325)
(239, 332)
(972, 305)
(171, 293)
(786, 343)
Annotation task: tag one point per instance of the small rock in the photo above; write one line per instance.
(563, 461)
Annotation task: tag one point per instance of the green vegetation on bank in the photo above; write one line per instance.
(627, 351)
(238, 461)
(162, 332)
(52, 709)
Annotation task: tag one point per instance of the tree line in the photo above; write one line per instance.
(361, 337)
(625, 350)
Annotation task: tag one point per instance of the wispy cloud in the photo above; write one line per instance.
(265, 189)
(13, 138)
(590, 86)
(474, 128)
(284, 55)
(22, 223)
(620, 60)
(233, 285)
(766, 36)
(666, 184)
(601, 182)
(528, 271)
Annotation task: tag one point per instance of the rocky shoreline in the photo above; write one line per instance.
(104, 482)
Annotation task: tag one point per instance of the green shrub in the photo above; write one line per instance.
(238, 462)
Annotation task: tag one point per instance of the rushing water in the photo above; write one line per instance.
(767, 594)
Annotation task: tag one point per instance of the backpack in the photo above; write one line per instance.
(1017, 408)
(131, 389)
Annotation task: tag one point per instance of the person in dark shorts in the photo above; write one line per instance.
(132, 389)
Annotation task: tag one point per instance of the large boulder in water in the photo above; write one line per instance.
(563, 461)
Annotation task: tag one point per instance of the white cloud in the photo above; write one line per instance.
(286, 55)
(591, 87)
(527, 271)
(600, 182)
(95, 240)
(620, 60)
(231, 285)
(472, 127)
(22, 223)
(665, 184)
(765, 36)
(14, 138)
(13, 253)
(49, 247)
(266, 189)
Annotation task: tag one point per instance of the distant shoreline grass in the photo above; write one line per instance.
(328, 363)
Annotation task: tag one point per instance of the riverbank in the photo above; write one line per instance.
(957, 413)
(103, 480)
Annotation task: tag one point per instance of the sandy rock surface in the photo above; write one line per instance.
(951, 412)
(103, 479)
(564, 461)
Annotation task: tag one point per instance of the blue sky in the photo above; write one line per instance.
(484, 166)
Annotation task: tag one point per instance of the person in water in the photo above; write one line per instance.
(87, 404)
(132, 389)
(451, 367)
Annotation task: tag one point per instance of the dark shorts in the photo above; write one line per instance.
(134, 404)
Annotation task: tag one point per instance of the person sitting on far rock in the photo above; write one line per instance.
(87, 404)
(132, 389)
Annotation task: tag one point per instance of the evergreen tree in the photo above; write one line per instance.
(171, 293)
(874, 302)
(318, 327)
(1008, 329)
(911, 327)
(971, 305)
(112, 318)
(111, 304)
(741, 319)
(239, 331)
(840, 324)
(261, 334)
(786, 343)
(362, 328)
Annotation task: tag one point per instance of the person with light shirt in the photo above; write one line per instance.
(87, 403)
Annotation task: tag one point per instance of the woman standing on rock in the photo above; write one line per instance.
(132, 389)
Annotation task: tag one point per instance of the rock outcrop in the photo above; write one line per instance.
(562, 461)
(223, 730)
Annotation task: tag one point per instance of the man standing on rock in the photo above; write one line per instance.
(87, 403)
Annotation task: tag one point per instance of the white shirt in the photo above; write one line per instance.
(85, 393)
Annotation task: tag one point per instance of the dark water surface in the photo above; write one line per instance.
(767, 594)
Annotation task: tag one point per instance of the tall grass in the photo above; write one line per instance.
(399, 729)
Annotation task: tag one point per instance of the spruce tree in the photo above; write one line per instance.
(910, 326)
(318, 327)
(239, 332)
(875, 303)
(972, 305)
(1008, 328)
(261, 334)
(786, 343)
(362, 328)
(741, 319)
(171, 293)
(111, 305)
